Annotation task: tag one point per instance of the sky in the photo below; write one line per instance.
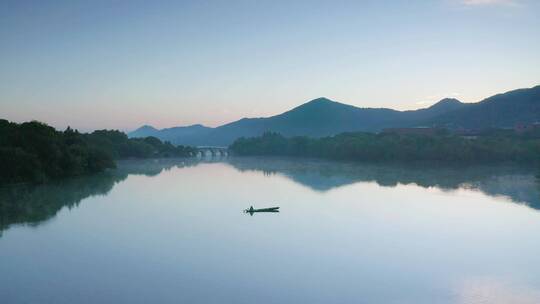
(122, 64)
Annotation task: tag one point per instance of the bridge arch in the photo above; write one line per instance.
(211, 151)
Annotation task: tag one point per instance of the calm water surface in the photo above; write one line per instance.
(173, 231)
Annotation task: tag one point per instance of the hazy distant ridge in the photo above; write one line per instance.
(324, 117)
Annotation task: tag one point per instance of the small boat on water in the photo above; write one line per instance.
(253, 210)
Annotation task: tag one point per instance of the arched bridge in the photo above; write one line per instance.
(204, 151)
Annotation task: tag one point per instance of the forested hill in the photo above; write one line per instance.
(499, 111)
(323, 117)
(34, 151)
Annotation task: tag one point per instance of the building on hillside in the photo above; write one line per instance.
(415, 131)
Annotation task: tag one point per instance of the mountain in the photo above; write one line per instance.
(144, 131)
(176, 135)
(441, 107)
(319, 117)
(324, 117)
(173, 134)
(498, 111)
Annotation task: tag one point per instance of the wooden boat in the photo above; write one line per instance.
(271, 209)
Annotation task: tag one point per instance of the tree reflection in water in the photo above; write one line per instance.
(34, 204)
(520, 184)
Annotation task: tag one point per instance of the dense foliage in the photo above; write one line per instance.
(498, 146)
(118, 145)
(33, 151)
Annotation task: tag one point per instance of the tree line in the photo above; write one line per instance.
(35, 152)
(490, 147)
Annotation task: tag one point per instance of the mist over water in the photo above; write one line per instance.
(170, 231)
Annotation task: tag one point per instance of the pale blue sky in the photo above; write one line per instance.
(116, 64)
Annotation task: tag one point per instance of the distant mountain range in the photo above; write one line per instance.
(324, 117)
(176, 135)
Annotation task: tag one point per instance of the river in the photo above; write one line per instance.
(173, 231)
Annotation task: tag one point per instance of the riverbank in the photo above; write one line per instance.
(35, 152)
(359, 146)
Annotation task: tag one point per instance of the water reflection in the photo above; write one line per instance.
(518, 183)
(176, 231)
(34, 204)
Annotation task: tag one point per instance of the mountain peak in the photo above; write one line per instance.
(147, 128)
(144, 131)
(320, 99)
(446, 104)
(448, 101)
(321, 104)
(316, 103)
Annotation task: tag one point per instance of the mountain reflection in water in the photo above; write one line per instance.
(34, 204)
(518, 183)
